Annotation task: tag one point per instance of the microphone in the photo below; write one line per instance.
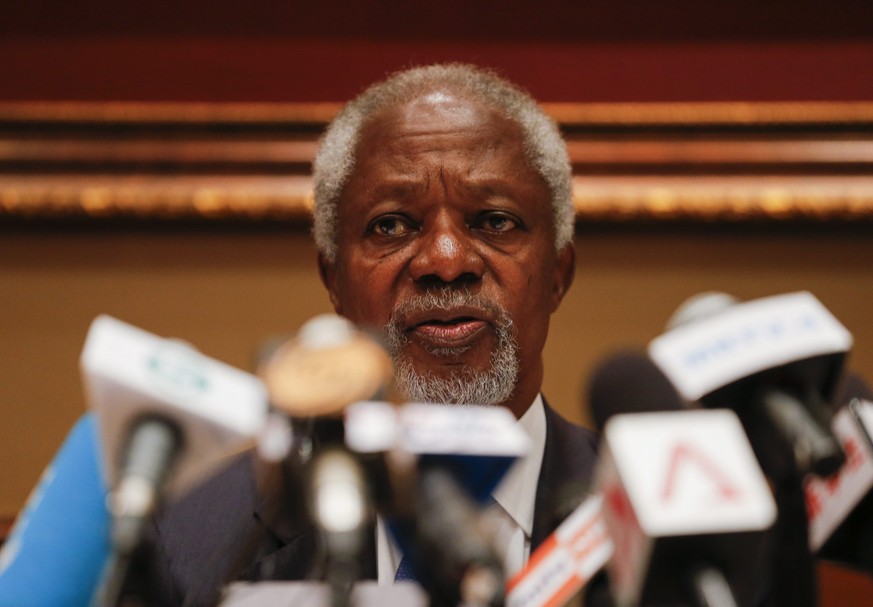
(351, 452)
(575, 553)
(840, 508)
(167, 416)
(443, 461)
(312, 379)
(452, 553)
(775, 361)
(629, 382)
(341, 508)
(571, 557)
(684, 500)
(59, 545)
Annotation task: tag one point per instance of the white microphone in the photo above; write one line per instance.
(683, 497)
(840, 508)
(443, 462)
(775, 361)
(167, 417)
(687, 508)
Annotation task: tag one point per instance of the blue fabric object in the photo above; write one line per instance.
(58, 548)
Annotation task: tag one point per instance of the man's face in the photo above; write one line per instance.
(445, 236)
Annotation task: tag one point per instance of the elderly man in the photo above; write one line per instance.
(443, 214)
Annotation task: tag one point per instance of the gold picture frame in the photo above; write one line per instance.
(667, 162)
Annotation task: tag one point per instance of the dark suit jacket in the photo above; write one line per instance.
(198, 540)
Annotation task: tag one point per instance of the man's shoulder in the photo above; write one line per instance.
(198, 535)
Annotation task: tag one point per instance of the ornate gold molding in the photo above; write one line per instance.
(730, 114)
(715, 162)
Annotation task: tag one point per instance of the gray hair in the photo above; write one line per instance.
(544, 146)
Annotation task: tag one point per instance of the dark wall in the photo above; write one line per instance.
(274, 50)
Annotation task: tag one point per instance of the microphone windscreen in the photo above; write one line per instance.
(630, 382)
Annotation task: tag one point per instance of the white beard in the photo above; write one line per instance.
(465, 386)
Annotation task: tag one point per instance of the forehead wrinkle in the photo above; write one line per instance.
(443, 179)
(417, 155)
(440, 103)
(400, 189)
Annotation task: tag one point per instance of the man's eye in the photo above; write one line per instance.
(497, 222)
(390, 226)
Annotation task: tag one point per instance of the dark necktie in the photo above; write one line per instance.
(405, 573)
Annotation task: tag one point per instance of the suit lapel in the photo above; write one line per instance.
(565, 474)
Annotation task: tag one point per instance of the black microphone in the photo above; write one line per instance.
(341, 507)
(453, 552)
(683, 497)
(424, 466)
(312, 379)
(629, 382)
(840, 508)
(303, 472)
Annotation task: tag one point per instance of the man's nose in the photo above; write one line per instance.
(446, 252)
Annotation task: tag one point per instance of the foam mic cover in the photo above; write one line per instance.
(629, 382)
(59, 546)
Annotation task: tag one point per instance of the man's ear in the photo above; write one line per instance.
(565, 271)
(327, 272)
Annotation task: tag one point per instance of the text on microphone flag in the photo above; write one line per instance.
(689, 471)
(685, 454)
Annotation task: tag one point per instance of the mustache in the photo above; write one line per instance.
(486, 387)
(447, 298)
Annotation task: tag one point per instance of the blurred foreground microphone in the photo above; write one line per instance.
(775, 361)
(443, 461)
(59, 546)
(684, 500)
(840, 508)
(167, 417)
(449, 537)
(312, 379)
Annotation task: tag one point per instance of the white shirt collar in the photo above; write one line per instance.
(516, 492)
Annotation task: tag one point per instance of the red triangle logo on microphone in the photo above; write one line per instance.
(684, 455)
